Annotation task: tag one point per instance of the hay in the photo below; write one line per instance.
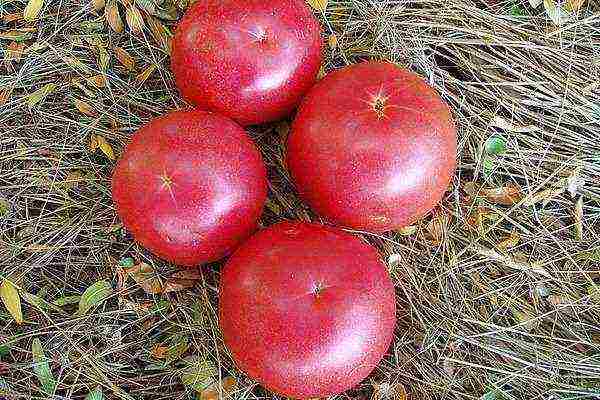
(478, 317)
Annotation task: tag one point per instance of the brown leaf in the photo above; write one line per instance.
(506, 195)
(160, 34)
(389, 391)
(98, 5)
(181, 280)
(18, 35)
(574, 5)
(471, 188)
(228, 383)
(510, 241)
(332, 41)
(85, 108)
(143, 274)
(14, 51)
(73, 178)
(145, 74)
(125, 58)
(32, 10)
(502, 123)
(544, 196)
(578, 215)
(134, 19)
(5, 95)
(98, 81)
(94, 144)
(112, 16)
(8, 18)
(159, 351)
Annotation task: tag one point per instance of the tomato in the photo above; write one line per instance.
(373, 147)
(190, 186)
(306, 310)
(251, 60)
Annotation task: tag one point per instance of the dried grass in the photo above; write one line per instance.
(478, 316)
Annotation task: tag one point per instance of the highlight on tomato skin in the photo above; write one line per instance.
(305, 309)
(190, 187)
(373, 147)
(251, 60)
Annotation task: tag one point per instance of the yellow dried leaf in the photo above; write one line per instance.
(85, 108)
(112, 16)
(103, 58)
(407, 230)
(332, 41)
(73, 178)
(508, 126)
(98, 5)
(544, 196)
(98, 81)
(145, 74)
(125, 58)
(12, 300)
(319, 5)
(578, 215)
(143, 274)
(105, 147)
(574, 5)
(134, 19)
(510, 241)
(32, 10)
(40, 94)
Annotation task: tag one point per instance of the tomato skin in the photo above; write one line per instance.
(251, 60)
(305, 309)
(190, 186)
(373, 147)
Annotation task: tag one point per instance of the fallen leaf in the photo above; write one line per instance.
(32, 10)
(495, 145)
(18, 35)
(574, 5)
(14, 52)
(180, 281)
(112, 16)
(134, 19)
(103, 58)
(407, 230)
(143, 274)
(594, 293)
(319, 5)
(105, 147)
(41, 367)
(332, 41)
(161, 35)
(93, 296)
(95, 394)
(389, 391)
(198, 373)
(159, 351)
(578, 216)
(228, 383)
(510, 241)
(526, 320)
(471, 188)
(66, 300)
(506, 195)
(38, 302)
(502, 123)
(575, 182)
(73, 178)
(98, 5)
(85, 108)
(179, 345)
(125, 58)
(39, 95)
(98, 81)
(8, 18)
(5, 95)
(94, 143)
(437, 227)
(11, 299)
(145, 74)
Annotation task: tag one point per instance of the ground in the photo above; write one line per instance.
(497, 289)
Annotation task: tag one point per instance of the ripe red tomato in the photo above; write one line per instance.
(190, 186)
(306, 310)
(373, 147)
(250, 60)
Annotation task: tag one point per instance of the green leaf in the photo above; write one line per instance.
(95, 394)
(4, 207)
(594, 292)
(495, 145)
(38, 302)
(66, 300)
(36, 97)
(11, 299)
(127, 262)
(4, 350)
(178, 347)
(517, 11)
(198, 373)
(488, 166)
(41, 367)
(160, 307)
(94, 296)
